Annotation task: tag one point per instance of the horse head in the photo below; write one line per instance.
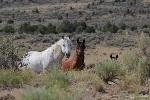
(80, 47)
(66, 46)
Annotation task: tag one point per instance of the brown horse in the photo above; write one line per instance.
(77, 60)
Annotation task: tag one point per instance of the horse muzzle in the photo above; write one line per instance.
(67, 55)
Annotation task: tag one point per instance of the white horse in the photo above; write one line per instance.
(39, 61)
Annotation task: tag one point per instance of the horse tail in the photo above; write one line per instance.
(25, 60)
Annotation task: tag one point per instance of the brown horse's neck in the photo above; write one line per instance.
(79, 60)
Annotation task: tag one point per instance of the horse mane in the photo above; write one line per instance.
(56, 48)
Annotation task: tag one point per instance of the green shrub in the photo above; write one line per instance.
(84, 77)
(42, 29)
(130, 81)
(137, 66)
(130, 60)
(55, 84)
(109, 70)
(1, 21)
(143, 70)
(10, 21)
(65, 27)
(52, 93)
(36, 10)
(110, 28)
(123, 26)
(80, 26)
(32, 29)
(51, 28)
(8, 29)
(133, 28)
(144, 44)
(60, 17)
(14, 78)
(57, 78)
(90, 29)
(8, 54)
(25, 28)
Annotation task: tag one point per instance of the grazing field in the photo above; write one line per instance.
(102, 78)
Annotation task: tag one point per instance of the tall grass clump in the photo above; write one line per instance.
(56, 78)
(144, 44)
(109, 70)
(8, 54)
(86, 77)
(130, 60)
(56, 87)
(52, 93)
(136, 71)
(14, 78)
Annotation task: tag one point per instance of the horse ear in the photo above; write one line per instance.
(62, 37)
(78, 40)
(83, 41)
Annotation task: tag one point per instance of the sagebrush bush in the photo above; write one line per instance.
(52, 93)
(10, 21)
(42, 29)
(86, 77)
(90, 29)
(62, 27)
(32, 29)
(14, 78)
(35, 10)
(66, 27)
(143, 70)
(144, 44)
(80, 26)
(109, 70)
(130, 81)
(55, 87)
(130, 60)
(51, 28)
(110, 28)
(8, 54)
(24, 28)
(56, 78)
(8, 29)
(136, 71)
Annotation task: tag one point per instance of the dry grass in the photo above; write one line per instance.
(14, 79)
(130, 82)
(85, 77)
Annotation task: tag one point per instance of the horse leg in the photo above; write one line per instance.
(44, 70)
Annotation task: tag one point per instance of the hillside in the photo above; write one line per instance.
(126, 15)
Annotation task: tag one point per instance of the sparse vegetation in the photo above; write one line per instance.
(14, 79)
(37, 22)
(110, 28)
(8, 29)
(10, 21)
(8, 54)
(109, 70)
(66, 27)
(35, 10)
(52, 93)
(57, 78)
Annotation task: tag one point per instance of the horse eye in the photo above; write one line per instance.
(63, 45)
